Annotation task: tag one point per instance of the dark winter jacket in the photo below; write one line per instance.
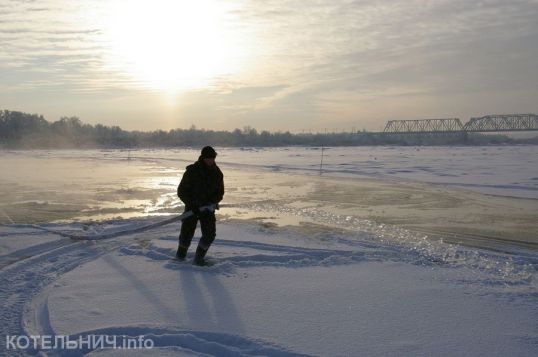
(201, 185)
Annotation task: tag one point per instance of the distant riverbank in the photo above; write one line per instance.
(31, 131)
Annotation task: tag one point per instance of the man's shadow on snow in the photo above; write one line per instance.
(167, 312)
(207, 300)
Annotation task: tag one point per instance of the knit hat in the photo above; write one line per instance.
(208, 152)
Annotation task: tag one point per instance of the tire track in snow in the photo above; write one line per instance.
(35, 318)
(31, 251)
(23, 280)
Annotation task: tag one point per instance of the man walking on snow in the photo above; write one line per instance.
(202, 184)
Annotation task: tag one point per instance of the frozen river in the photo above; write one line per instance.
(379, 252)
(50, 185)
(503, 170)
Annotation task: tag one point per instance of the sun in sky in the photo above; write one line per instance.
(172, 45)
(278, 65)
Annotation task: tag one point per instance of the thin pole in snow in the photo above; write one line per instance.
(321, 163)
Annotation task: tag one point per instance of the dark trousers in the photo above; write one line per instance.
(207, 225)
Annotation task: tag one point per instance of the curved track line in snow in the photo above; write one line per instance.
(265, 255)
(36, 321)
(26, 253)
(258, 255)
(187, 341)
(23, 280)
(497, 268)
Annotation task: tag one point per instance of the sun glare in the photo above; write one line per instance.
(171, 45)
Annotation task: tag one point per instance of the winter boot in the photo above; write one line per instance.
(199, 256)
(181, 253)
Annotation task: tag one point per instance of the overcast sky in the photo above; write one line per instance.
(271, 64)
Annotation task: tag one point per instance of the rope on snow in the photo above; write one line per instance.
(181, 217)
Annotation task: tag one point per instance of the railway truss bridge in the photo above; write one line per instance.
(453, 126)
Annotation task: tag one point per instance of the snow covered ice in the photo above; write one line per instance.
(295, 273)
(275, 292)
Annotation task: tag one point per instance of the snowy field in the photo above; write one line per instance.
(270, 292)
(299, 265)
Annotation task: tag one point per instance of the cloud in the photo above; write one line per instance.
(408, 47)
(311, 60)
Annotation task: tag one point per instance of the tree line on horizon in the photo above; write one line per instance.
(20, 130)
